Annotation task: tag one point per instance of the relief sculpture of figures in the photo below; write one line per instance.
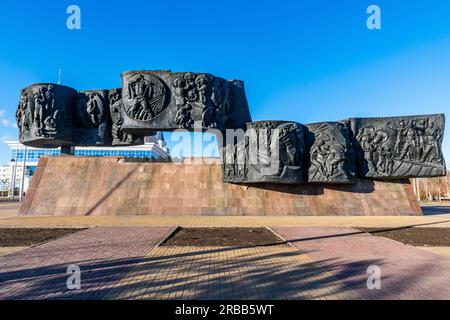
(44, 110)
(270, 151)
(221, 104)
(200, 95)
(115, 96)
(432, 152)
(45, 115)
(50, 115)
(329, 154)
(420, 141)
(183, 117)
(24, 114)
(163, 100)
(399, 147)
(144, 96)
(119, 137)
(377, 152)
(94, 122)
(95, 109)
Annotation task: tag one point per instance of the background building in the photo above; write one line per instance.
(26, 157)
(6, 174)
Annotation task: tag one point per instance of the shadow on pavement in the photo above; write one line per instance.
(193, 275)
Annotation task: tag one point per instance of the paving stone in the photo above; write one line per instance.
(406, 272)
(123, 263)
(202, 273)
(443, 251)
(8, 250)
(104, 255)
(222, 221)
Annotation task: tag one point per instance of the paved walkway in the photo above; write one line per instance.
(9, 209)
(406, 272)
(123, 263)
(126, 263)
(119, 260)
(438, 216)
(443, 251)
(105, 255)
(274, 272)
(222, 221)
(8, 250)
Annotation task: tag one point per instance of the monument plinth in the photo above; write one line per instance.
(109, 186)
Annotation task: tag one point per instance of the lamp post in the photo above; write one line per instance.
(5, 187)
(13, 178)
(22, 182)
(4, 184)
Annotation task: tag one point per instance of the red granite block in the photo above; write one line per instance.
(108, 186)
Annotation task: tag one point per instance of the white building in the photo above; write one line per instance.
(6, 176)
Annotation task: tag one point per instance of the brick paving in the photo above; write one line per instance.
(125, 263)
(201, 273)
(221, 221)
(406, 272)
(443, 251)
(105, 255)
(8, 250)
(9, 209)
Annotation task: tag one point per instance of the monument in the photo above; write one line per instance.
(283, 156)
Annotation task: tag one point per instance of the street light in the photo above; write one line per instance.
(22, 183)
(13, 178)
(4, 184)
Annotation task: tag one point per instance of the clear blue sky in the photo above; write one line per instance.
(301, 60)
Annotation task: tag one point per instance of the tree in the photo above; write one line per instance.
(432, 189)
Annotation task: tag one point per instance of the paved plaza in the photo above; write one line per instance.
(406, 272)
(322, 258)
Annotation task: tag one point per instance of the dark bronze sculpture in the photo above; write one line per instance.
(120, 137)
(93, 115)
(330, 153)
(399, 147)
(270, 151)
(164, 100)
(46, 115)
(51, 115)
